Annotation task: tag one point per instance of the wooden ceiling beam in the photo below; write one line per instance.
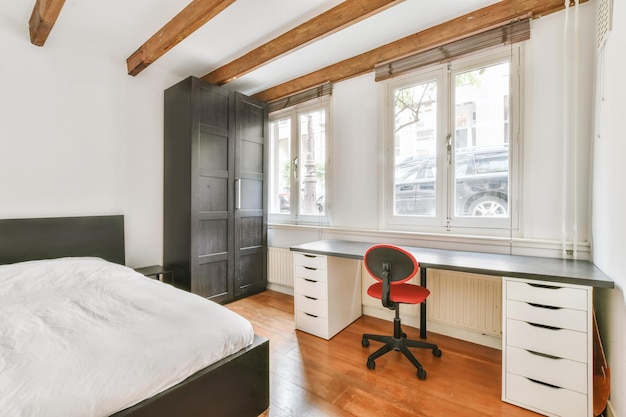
(331, 21)
(191, 18)
(42, 19)
(471, 23)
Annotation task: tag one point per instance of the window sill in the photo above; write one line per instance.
(472, 243)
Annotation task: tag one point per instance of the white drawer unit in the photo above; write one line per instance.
(327, 294)
(547, 351)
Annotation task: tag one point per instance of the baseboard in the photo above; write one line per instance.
(280, 288)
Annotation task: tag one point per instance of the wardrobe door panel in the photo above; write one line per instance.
(212, 237)
(251, 118)
(252, 270)
(209, 280)
(251, 232)
(251, 215)
(212, 153)
(252, 162)
(252, 195)
(214, 105)
(208, 188)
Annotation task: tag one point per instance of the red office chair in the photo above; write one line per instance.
(392, 266)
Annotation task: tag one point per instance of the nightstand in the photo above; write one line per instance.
(158, 272)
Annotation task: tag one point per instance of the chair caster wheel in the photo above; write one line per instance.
(437, 353)
(371, 364)
(421, 374)
(365, 342)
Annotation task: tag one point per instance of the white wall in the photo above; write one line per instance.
(355, 153)
(609, 202)
(78, 136)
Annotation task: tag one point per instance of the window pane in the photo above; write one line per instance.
(481, 142)
(312, 168)
(415, 158)
(280, 164)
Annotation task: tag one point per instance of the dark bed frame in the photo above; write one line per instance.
(237, 385)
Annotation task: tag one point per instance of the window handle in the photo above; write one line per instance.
(294, 162)
(449, 147)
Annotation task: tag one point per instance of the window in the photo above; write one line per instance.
(298, 143)
(451, 164)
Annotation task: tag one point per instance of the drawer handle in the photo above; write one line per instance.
(544, 326)
(548, 287)
(543, 383)
(309, 280)
(545, 355)
(310, 298)
(311, 315)
(310, 268)
(310, 256)
(544, 306)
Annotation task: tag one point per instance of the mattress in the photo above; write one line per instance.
(86, 337)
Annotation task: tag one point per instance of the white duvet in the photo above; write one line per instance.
(84, 337)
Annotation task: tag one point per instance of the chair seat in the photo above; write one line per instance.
(401, 293)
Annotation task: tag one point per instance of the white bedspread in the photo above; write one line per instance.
(84, 337)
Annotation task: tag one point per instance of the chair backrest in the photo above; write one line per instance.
(389, 261)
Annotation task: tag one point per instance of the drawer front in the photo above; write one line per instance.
(317, 326)
(555, 296)
(313, 261)
(561, 343)
(563, 318)
(313, 306)
(315, 289)
(543, 398)
(560, 372)
(311, 273)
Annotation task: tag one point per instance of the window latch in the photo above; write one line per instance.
(449, 148)
(295, 167)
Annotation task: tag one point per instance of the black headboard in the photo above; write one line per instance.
(55, 237)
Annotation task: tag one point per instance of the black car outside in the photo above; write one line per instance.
(482, 183)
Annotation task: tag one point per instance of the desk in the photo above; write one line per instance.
(547, 351)
(565, 271)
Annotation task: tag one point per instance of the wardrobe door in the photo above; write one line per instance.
(212, 175)
(250, 236)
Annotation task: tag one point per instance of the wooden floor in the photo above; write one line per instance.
(311, 376)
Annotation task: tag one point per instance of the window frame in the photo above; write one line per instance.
(293, 113)
(445, 219)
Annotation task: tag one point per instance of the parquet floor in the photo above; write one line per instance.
(313, 377)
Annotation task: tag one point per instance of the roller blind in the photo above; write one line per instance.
(503, 35)
(300, 97)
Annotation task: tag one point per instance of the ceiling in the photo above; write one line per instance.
(120, 27)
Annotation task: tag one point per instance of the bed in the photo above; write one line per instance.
(65, 277)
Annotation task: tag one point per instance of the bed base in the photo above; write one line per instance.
(238, 385)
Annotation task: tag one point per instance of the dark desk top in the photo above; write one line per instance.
(529, 267)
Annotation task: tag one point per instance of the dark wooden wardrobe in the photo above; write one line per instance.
(215, 193)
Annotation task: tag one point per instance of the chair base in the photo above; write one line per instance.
(400, 343)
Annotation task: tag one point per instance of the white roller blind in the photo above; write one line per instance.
(300, 97)
(507, 34)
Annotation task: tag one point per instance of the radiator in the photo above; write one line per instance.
(280, 267)
(468, 301)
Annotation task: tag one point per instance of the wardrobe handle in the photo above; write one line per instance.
(238, 194)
